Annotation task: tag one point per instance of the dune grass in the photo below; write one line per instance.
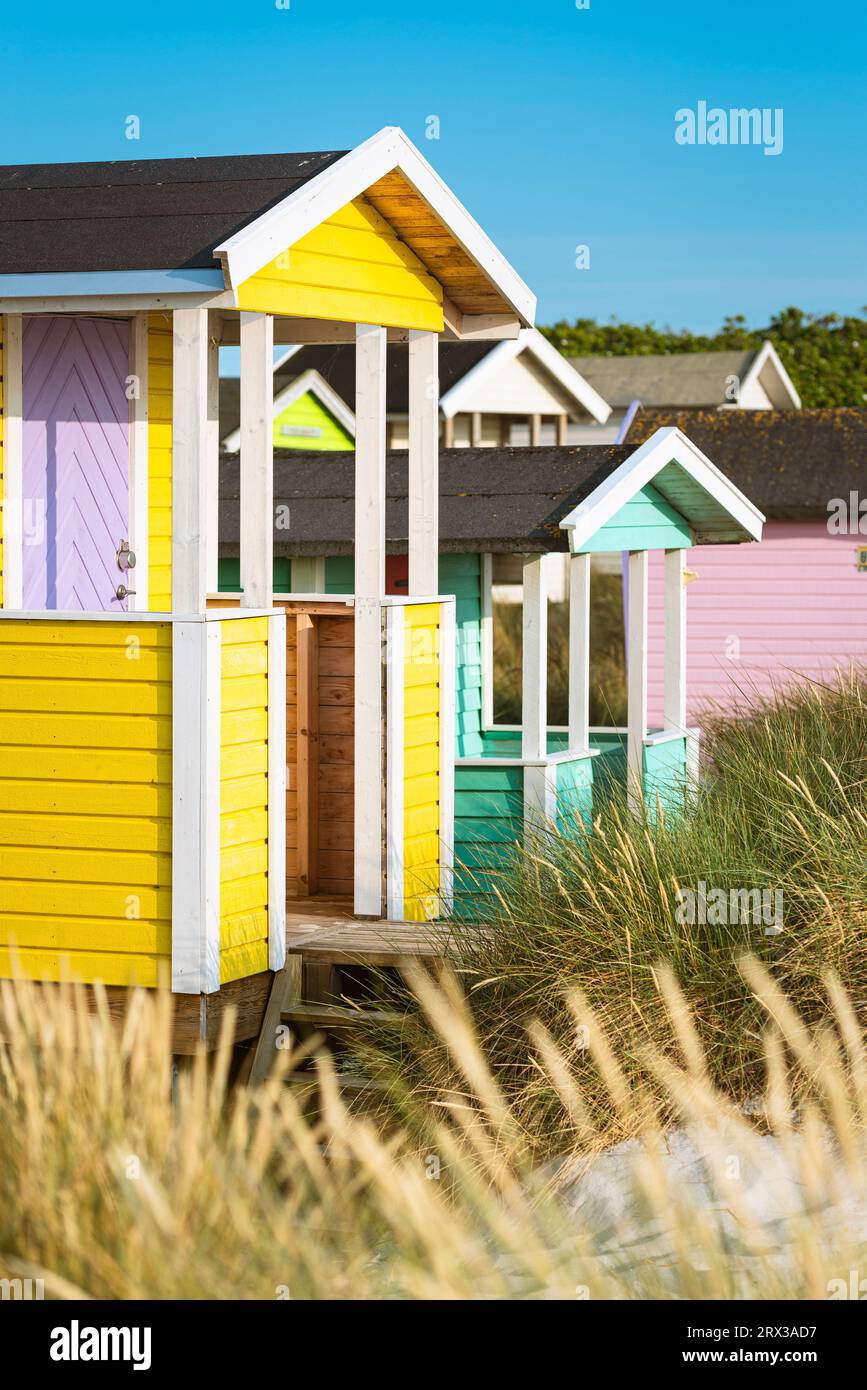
(111, 1187)
(782, 809)
(607, 659)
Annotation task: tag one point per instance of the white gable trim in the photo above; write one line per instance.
(317, 386)
(293, 217)
(768, 355)
(664, 446)
(529, 340)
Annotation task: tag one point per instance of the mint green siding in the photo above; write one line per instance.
(461, 575)
(647, 522)
(306, 424)
(665, 776)
(575, 796)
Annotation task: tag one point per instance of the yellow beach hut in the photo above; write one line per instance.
(143, 796)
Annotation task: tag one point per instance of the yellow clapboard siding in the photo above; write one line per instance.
(421, 730)
(243, 760)
(244, 827)
(84, 663)
(242, 631)
(245, 692)
(87, 934)
(352, 267)
(243, 895)
(2, 323)
(421, 699)
(85, 765)
(83, 798)
(421, 790)
(124, 638)
(86, 697)
(244, 929)
(240, 961)
(421, 820)
(84, 866)
(247, 660)
(86, 730)
(85, 795)
(243, 793)
(244, 797)
(85, 832)
(122, 968)
(86, 900)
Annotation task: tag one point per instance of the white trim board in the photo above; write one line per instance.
(311, 381)
(767, 355)
(243, 254)
(459, 397)
(276, 790)
(665, 446)
(65, 284)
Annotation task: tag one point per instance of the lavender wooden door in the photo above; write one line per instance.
(76, 462)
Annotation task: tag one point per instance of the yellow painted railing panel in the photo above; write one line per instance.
(421, 820)
(86, 800)
(2, 400)
(353, 268)
(243, 797)
(160, 463)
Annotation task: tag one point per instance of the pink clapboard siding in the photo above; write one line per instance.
(76, 462)
(794, 604)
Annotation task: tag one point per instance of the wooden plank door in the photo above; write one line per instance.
(335, 835)
(76, 462)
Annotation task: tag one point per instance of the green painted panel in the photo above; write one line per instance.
(575, 796)
(339, 574)
(489, 778)
(485, 804)
(500, 829)
(646, 522)
(229, 575)
(306, 424)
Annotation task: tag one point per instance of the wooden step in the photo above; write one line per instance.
(336, 1015)
(308, 1081)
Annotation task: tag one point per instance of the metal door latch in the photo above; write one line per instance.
(123, 592)
(125, 556)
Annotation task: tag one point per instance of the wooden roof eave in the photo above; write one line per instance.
(506, 305)
(726, 516)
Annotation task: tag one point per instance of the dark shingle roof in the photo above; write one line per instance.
(790, 463)
(138, 214)
(498, 500)
(678, 379)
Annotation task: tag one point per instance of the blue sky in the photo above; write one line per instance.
(556, 126)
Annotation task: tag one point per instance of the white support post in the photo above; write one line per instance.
(487, 577)
(257, 460)
(189, 459)
(370, 368)
(674, 694)
(540, 800)
(139, 529)
(424, 499)
(13, 462)
(277, 790)
(636, 722)
(448, 653)
(579, 651)
(212, 484)
(196, 650)
(534, 710)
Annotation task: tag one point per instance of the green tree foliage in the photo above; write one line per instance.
(825, 354)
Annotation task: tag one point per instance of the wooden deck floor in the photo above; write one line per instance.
(326, 932)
